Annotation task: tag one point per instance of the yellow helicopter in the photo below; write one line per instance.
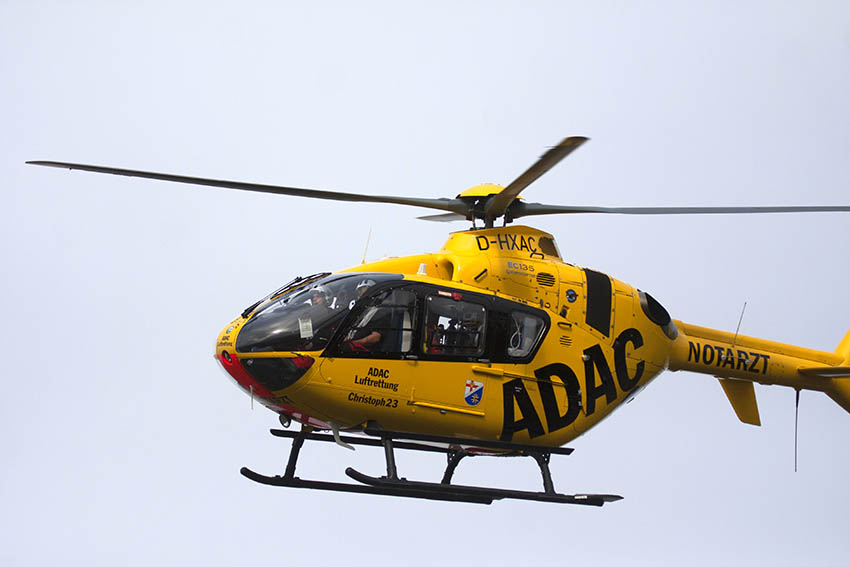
(495, 345)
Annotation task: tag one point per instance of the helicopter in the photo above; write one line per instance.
(493, 346)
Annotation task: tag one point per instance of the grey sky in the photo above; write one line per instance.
(122, 441)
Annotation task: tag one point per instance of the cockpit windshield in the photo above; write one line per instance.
(297, 282)
(305, 318)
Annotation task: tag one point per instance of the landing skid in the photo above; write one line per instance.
(455, 449)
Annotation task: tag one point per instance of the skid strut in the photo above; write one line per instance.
(455, 450)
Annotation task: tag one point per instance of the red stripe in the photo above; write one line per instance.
(235, 369)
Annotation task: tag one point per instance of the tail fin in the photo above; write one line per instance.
(843, 349)
(841, 390)
(747, 359)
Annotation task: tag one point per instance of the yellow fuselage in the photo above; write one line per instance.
(599, 348)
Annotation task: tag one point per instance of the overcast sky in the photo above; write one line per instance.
(122, 442)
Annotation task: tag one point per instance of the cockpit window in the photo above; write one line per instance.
(306, 317)
(288, 287)
(384, 325)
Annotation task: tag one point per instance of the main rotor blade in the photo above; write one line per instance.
(499, 203)
(520, 209)
(443, 217)
(453, 205)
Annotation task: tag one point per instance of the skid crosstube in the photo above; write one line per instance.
(455, 450)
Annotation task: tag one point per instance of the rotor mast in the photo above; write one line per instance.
(497, 205)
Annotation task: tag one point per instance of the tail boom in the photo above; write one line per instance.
(725, 355)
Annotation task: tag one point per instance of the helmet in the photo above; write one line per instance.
(361, 289)
(322, 291)
(364, 286)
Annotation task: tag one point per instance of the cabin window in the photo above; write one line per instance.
(454, 327)
(524, 334)
(383, 325)
(548, 246)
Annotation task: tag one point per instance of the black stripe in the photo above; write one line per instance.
(598, 301)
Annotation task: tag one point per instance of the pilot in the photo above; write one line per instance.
(362, 287)
(373, 323)
(321, 310)
(320, 296)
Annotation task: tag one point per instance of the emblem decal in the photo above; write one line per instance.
(571, 295)
(473, 392)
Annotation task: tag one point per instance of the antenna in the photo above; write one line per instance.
(368, 238)
(738, 328)
(796, 421)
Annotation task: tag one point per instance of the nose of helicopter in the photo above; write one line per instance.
(225, 355)
(259, 374)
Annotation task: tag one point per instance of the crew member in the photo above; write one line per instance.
(367, 334)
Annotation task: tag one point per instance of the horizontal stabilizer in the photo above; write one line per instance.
(826, 371)
(742, 396)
